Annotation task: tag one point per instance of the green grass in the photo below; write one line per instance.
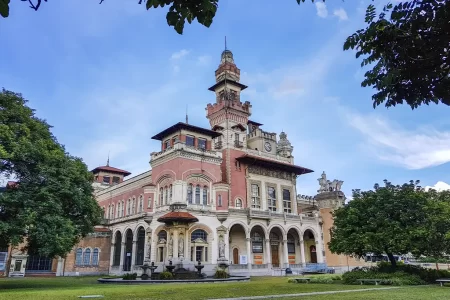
(71, 287)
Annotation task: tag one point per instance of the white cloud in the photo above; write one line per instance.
(341, 14)
(204, 60)
(412, 149)
(439, 186)
(179, 55)
(322, 10)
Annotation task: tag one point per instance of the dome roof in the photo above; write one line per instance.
(227, 55)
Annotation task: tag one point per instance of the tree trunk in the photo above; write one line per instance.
(392, 259)
(437, 265)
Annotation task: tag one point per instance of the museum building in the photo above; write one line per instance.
(224, 194)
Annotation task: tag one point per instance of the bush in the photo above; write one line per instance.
(165, 275)
(130, 276)
(321, 280)
(389, 278)
(427, 275)
(221, 274)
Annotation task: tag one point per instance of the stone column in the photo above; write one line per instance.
(249, 253)
(319, 252)
(175, 244)
(268, 258)
(302, 252)
(122, 255)
(285, 254)
(111, 256)
(133, 255)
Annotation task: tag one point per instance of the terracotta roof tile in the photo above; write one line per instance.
(177, 216)
(111, 169)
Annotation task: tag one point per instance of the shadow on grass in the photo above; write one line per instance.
(8, 284)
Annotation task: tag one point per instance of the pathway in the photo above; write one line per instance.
(305, 294)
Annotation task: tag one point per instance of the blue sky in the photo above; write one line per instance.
(109, 76)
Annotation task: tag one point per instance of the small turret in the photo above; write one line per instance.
(284, 147)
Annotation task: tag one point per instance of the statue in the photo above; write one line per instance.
(170, 246)
(324, 183)
(181, 247)
(221, 247)
(339, 185)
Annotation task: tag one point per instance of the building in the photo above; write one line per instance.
(224, 194)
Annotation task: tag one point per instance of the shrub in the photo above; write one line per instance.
(130, 276)
(165, 275)
(389, 278)
(321, 280)
(221, 274)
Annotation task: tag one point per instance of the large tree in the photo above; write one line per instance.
(406, 46)
(52, 204)
(393, 219)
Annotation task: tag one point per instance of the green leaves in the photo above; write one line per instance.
(4, 8)
(408, 53)
(53, 205)
(393, 220)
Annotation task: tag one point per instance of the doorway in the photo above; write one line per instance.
(313, 254)
(236, 256)
(275, 256)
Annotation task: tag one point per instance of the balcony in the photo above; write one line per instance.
(238, 144)
(271, 156)
(218, 145)
(179, 147)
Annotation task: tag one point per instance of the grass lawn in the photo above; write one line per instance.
(71, 287)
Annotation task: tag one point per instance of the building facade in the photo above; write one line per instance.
(224, 194)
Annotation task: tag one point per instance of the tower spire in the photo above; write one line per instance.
(107, 162)
(225, 42)
(187, 120)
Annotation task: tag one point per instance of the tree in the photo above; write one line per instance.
(52, 205)
(393, 219)
(409, 52)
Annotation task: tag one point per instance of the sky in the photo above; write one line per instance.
(108, 77)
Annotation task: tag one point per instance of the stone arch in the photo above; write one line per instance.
(297, 230)
(244, 227)
(165, 174)
(186, 175)
(283, 231)
(264, 228)
(236, 199)
(204, 227)
(139, 224)
(127, 259)
(316, 235)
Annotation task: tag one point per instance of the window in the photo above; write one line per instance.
(256, 203)
(112, 211)
(238, 203)
(271, 199)
(161, 196)
(118, 210)
(133, 208)
(190, 140)
(257, 243)
(141, 204)
(95, 257)
(116, 180)
(129, 207)
(170, 193)
(122, 213)
(201, 144)
(219, 200)
(162, 235)
(149, 203)
(236, 137)
(87, 257)
(166, 195)
(79, 257)
(166, 145)
(287, 201)
(189, 193)
(291, 244)
(199, 234)
(106, 179)
(174, 140)
(197, 194)
(238, 165)
(205, 195)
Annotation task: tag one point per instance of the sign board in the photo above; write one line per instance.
(243, 259)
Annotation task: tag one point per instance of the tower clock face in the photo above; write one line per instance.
(268, 147)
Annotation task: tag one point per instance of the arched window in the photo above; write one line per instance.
(95, 257)
(141, 203)
(133, 208)
(79, 257)
(122, 213)
(129, 207)
(197, 194)
(219, 200)
(87, 257)
(189, 193)
(170, 193)
(257, 243)
(238, 203)
(166, 195)
(205, 195)
(161, 196)
(104, 212)
(290, 244)
(118, 210)
(199, 234)
(112, 211)
(162, 235)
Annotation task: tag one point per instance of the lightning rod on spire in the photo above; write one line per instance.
(107, 162)
(187, 121)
